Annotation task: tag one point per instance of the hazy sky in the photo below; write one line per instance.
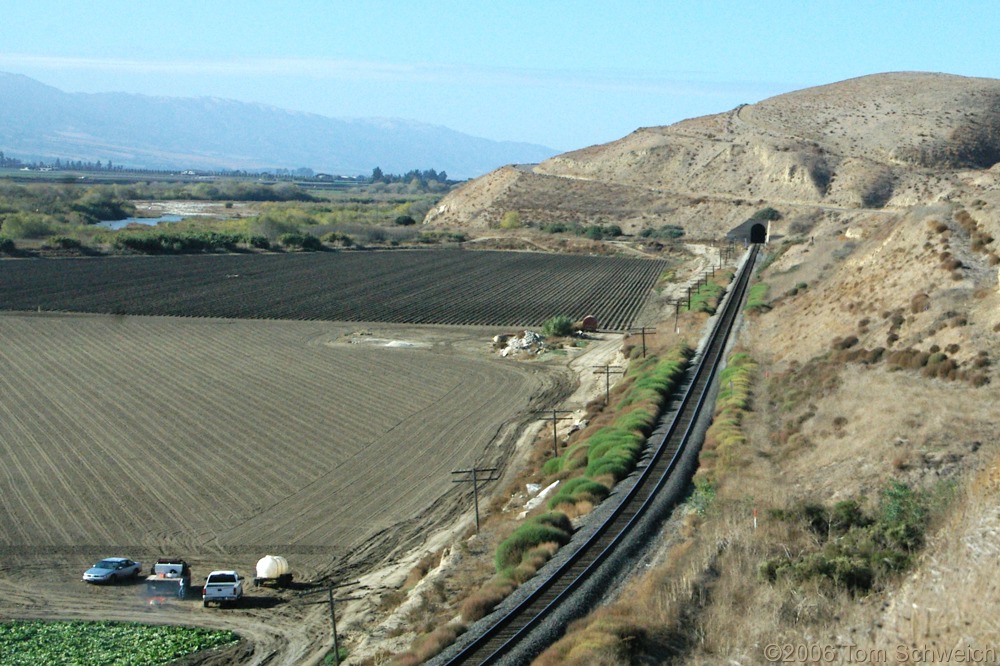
(562, 74)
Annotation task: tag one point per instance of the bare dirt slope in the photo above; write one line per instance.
(881, 141)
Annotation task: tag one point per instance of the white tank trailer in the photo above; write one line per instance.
(273, 570)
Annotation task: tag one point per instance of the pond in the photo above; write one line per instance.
(150, 221)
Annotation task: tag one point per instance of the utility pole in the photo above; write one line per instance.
(475, 480)
(677, 313)
(333, 612)
(606, 370)
(642, 332)
(555, 412)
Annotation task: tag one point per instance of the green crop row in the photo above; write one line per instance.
(28, 643)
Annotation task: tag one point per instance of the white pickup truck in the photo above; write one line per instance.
(221, 587)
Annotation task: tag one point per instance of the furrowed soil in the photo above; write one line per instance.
(221, 441)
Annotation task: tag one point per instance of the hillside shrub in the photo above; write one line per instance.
(548, 527)
(765, 214)
(667, 232)
(482, 602)
(511, 220)
(703, 496)
(580, 489)
(613, 451)
(7, 246)
(855, 551)
(919, 303)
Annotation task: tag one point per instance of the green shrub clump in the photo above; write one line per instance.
(157, 242)
(707, 298)
(551, 527)
(298, 241)
(62, 243)
(766, 214)
(580, 489)
(667, 231)
(856, 551)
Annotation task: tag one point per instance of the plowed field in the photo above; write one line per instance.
(413, 287)
(225, 440)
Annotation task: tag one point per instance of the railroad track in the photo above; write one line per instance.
(513, 628)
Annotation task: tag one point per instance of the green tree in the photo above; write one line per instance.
(557, 326)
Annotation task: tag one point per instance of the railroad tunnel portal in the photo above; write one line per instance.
(750, 231)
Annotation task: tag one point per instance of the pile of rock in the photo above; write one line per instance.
(527, 342)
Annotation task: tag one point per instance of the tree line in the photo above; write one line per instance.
(423, 177)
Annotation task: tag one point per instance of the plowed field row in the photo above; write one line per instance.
(153, 435)
(413, 287)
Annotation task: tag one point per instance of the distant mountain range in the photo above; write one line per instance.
(39, 122)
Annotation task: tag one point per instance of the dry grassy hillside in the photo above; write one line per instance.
(876, 349)
(885, 141)
(876, 359)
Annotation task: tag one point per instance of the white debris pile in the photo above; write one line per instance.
(537, 499)
(525, 341)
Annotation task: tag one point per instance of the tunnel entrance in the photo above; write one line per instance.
(758, 233)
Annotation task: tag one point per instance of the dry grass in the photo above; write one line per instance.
(828, 426)
(943, 604)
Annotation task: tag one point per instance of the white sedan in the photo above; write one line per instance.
(111, 570)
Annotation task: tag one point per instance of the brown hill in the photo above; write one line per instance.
(877, 346)
(886, 141)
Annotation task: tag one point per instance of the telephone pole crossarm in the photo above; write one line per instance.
(606, 370)
(475, 480)
(555, 418)
(642, 331)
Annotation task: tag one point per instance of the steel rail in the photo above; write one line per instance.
(516, 624)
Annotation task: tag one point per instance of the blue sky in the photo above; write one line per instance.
(557, 73)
